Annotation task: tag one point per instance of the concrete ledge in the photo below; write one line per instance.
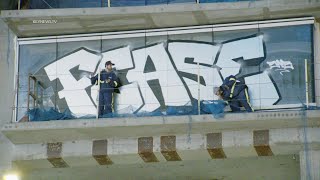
(94, 20)
(172, 8)
(89, 129)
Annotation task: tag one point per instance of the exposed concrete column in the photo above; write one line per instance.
(316, 41)
(6, 92)
(309, 165)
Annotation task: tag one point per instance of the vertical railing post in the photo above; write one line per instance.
(98, 102)
(34, 91)
(28, 98)
(198, 80)
(306, 80)
(19, 4)
(15, 104)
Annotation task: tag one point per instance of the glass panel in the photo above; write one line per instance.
(32, 59)
(42, 4)
(76, 62)
(119, 3)
(159, 64)
(286, 49)
(155, 2)
(128, 55)
(186, 51)
(240, 55)
(215, 1)
(79, 3)
(182, 1)
(65, 48)
(45, 4)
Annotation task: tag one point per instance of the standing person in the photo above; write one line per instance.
(236, 93)
(108, 83)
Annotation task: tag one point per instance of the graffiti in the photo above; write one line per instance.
(164, 74)
(74, 90)
(262, 93)
(281, 65)
(157, 78)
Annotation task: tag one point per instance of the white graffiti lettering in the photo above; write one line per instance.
(172, 89)
(246, 50)
(281, 65)
(74, 91)
(158, 77)
(263, 92)
(182, 51)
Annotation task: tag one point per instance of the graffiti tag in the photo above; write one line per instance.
(281, 65)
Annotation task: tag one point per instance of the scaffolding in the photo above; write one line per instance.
(35, 94)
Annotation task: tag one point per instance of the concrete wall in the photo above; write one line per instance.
(7, 76)
(7, 57)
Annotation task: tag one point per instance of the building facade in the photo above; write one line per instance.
(169, 56)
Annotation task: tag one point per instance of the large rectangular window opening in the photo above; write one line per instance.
(166, 71)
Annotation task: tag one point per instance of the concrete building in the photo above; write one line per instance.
(281, 140)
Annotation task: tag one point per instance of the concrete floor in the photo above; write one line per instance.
(276, 167)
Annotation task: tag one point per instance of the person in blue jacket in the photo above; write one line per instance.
(108, 84)
(235, 93)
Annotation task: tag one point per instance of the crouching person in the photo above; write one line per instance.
(235, 93)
